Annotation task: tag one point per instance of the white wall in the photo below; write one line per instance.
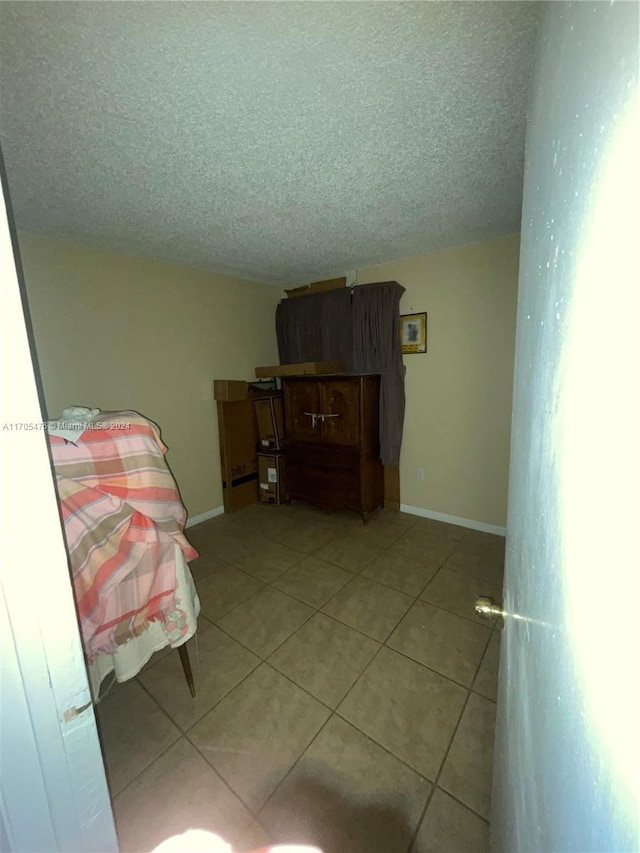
(566, 773)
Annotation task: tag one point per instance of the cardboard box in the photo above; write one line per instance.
(229, 390)
(270, 419)
(304, 368)
(238, 436)
(271, 477)
(317, 287)
(238, 431)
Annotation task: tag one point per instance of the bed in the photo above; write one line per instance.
(123, 523)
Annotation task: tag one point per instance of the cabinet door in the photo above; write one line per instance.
(340, 398)
(301, 397)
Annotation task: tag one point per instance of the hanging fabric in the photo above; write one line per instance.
(359, 327)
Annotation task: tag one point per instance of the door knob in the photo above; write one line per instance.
(488, 609)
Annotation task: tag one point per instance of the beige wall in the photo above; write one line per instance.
(458, 411)
(119, 332)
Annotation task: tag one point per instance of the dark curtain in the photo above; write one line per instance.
(316, 328)
(360, 328)
(377, 349)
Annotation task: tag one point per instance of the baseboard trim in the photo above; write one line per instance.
(411, 510)
(454, 519)
(204, 516)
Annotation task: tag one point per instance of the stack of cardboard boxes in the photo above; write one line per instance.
(271, 467)
(251, 432)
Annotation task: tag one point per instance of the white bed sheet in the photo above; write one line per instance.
(129, 659)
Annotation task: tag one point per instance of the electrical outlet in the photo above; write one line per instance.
(420, 473)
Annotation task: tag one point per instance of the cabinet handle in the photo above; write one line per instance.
(314, 417)
(319, 416)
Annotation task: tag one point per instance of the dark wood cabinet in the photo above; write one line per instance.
(300, 398)
(339, 400)
(333, 448)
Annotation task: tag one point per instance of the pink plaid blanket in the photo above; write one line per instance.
(123, 518)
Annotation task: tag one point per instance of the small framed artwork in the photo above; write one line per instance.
(413, 333)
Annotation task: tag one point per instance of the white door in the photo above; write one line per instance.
(566, 759)
(53, 792)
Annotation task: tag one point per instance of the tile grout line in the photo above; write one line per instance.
(465, 806)
(494, 629)
(381, 746)
(221, 777)
(357, 727)
(335, 711)
(411, 845)
(231, 608)
(144, 769)
(383, 643)
(329, 562)
(464, 539)
(416, 598)
(274, 650)
(344, 625)
(261, 661)
(302, 601)
(332, 712)
(217, 701)
(486, 648)
(365, 578)
(386, 749)
(445, 757)
(236, 606)
(300, 687)
(260, 658)
(290, 770)
(233, 532)
(440, 567)
(432, 670)
(343, 530)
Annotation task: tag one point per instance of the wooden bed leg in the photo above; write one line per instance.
(186, 666)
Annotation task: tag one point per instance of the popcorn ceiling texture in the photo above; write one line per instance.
(280, 142)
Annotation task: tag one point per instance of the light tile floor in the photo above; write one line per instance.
(345, 690)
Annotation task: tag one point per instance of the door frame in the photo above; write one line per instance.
(53, 788)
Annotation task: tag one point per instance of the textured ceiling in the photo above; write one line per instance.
(281, 142)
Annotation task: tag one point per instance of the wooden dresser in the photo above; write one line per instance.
(333, 450)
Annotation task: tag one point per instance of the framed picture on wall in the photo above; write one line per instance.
(413, 333)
